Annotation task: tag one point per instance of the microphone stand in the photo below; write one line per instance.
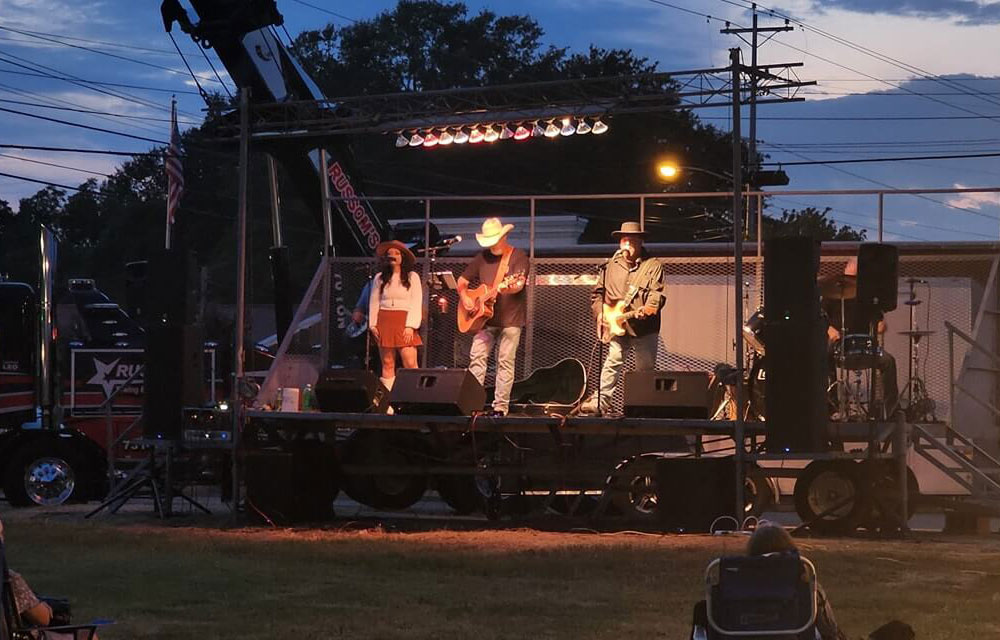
(600, 322)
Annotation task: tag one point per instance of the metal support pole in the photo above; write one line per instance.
(881, 203)
(734, 57)
(324, 189)
(642, 213)
(236, 404)
(529, 338)
(272, 175)
(426, 276)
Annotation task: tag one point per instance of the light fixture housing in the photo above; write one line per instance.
(461, 137)
(599, 127)
(430, 139)
(476, 135)
(416, 139)
(401, 140)
(538, 130)
(521, 132)
(506, 133)
(491, 134)
(567, 127)
(551, 131)
(583, 127)
(445, 138)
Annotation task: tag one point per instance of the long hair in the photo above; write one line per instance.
(406, 267)
(769, 538)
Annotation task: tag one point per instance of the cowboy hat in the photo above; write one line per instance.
(492, 231)
(383, 247)
(629, 229)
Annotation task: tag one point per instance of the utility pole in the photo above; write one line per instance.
(754, 31)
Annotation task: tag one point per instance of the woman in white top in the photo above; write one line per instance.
(395, 308)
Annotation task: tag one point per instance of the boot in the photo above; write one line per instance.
(387, 383)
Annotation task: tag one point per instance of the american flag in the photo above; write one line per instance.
(175, 173)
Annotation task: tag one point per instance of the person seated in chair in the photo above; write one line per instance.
(769, 538)
(32, 610)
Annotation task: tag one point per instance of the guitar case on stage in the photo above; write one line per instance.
(557, 389)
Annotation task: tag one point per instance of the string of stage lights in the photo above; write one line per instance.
(499, 131)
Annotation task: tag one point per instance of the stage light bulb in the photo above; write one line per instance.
(599, 128)
(537, 131)
(551, 131)
(476, 136)
(416, 140)
(461, 137)
(522, 132)
(401, 140)
(430, 140)
(446, 138)
(583, 127)
(491, 135)
(506, 133)
(567, 127)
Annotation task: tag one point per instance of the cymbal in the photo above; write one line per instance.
(913, 303)
(917, 334)
(838, 286)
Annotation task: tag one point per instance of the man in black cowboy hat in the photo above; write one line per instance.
(633, 277)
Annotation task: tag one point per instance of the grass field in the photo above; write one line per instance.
(175, 581)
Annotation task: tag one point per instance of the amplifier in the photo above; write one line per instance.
(350, 390)
(667, 394)
(441, 392)
(694, 492)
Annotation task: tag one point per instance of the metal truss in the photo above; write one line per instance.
(591, 97)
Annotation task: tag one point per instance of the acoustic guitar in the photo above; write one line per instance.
(613, 319)
(484, 299)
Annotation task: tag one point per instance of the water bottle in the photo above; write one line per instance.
(308, 398)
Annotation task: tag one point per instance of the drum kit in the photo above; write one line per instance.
(856, 357)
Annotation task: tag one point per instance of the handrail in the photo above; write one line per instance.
(972, 342)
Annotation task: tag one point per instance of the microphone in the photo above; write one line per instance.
(443, 243)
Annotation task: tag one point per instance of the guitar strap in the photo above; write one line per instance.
(502, 268)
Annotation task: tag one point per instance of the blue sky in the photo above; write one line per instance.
(868, 57)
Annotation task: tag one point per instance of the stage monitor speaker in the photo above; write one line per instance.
(173, 378)
(284, 487)
(667, 394)
(694, 492)
(795, 402)
(350, 390)
(171, 288)
(878, 275)
(790, 267)
(446, 392)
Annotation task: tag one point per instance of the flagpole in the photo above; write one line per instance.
(166, 160)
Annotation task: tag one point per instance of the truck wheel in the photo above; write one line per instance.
(388, 491)
(833, 489)
(42, 473)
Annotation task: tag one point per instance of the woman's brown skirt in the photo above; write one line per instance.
(391, 324)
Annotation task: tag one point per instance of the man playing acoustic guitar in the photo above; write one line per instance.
(497, 306)
(627, 303)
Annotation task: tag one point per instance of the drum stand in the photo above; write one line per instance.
(919, 406)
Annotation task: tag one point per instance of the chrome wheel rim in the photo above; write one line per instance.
(49, 481)
(829, 489)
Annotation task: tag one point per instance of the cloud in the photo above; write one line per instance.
(962, 12)
(973, 200)
(67, 17)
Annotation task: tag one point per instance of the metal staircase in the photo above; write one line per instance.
(963, 461)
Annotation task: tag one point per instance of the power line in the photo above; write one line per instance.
(53, 164)
(332, 13)
(119, 45)
(101, 83)
(103, 53)
(82, 126)
(92, 111)
(79, 150)
(957, 156)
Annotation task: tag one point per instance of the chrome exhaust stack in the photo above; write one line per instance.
(47, 329)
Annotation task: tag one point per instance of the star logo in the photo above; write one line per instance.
(103, 376)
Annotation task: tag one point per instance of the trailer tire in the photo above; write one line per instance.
(392, 492)
(824, 484)
(43, 472)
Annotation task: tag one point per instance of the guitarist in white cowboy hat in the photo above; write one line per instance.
(627, 303)
(500, 269)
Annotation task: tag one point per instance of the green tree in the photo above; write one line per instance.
(811, 222)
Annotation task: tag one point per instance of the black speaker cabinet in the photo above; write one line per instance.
(171, 288)
(667, 394)
(692, 493)
(795, 402)
(351, 390)
(291, 486)
(878, 275)
(173, 378)
(790, 268)
(444, 392)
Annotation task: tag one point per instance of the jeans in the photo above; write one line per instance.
(645, 360)
(482, 345)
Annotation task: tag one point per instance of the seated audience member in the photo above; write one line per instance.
(33, 611)
(770, 538)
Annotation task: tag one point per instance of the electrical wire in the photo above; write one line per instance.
(103, 84)
(118, 45)
(53, 164)
(92, 111)
(332, 13)
(81, 126)
(79, 150)
(954, 156)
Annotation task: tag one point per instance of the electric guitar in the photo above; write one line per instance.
(484, 298)
(613, 319)
(355, 330)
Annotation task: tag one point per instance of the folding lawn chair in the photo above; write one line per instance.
(769, 597)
